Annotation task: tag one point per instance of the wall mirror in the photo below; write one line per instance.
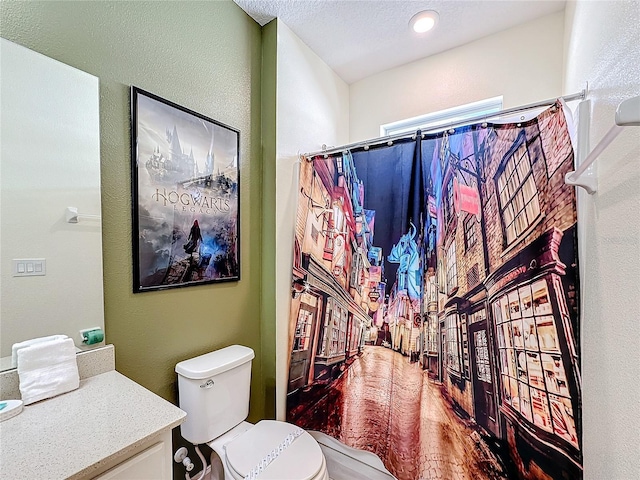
(50, 268)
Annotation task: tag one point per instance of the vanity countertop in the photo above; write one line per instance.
(74, 434)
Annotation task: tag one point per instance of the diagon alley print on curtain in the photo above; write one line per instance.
(434, 313)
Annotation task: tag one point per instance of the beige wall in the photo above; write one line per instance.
(524, 64)
(202, 55)
(602, 45)
(312, 108)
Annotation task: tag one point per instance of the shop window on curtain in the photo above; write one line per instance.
(442, 119)
(447, 202)
(483, 366)
(356, 271)
(442, 279)
(354, 334)
(343, 330)
(324, 346)
(335, 329)
(453, 343)
(338, 217)
(334, 340)
(303, 331)
(534, 376)
(469, 232)
(519, 204)
(328, 244)
(432, 342)
(465, 345)
(452, 270)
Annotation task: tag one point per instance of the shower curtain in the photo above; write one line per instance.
(434, 312)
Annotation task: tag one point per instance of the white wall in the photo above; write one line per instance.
(524, 64)
(312, 109)
(602, 43)
(50, 159)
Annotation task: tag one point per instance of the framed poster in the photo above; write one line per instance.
(185, 196)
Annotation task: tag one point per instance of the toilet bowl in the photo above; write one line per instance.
(245, 446)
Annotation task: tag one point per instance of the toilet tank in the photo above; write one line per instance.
(214, 391)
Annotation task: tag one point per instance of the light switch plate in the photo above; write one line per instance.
(29, 267)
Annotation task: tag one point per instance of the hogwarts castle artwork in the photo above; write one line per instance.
(185, 196)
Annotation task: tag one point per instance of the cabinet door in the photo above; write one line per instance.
(150, 464)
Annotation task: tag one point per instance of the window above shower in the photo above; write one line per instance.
(444, 118)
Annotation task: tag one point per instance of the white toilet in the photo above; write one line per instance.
(214, 391)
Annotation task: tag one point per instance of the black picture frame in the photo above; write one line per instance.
(185, 177)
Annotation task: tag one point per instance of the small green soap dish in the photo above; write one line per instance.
(10, 408)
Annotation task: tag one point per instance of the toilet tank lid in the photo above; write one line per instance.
(214, 363)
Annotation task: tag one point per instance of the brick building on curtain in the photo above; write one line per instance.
(331, 301)
(507, 278)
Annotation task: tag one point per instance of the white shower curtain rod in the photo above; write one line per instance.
(390, 138)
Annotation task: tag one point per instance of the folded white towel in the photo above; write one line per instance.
(47, 369)
(17, 346)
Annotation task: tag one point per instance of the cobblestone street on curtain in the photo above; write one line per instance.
(385, 404)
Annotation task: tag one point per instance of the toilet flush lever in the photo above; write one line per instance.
(208, 384)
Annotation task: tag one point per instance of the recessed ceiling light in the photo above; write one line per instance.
(424, 21)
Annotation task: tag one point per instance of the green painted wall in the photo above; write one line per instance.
(269, 109)
(207, 57)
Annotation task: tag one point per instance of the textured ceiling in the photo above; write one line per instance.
(358, 38)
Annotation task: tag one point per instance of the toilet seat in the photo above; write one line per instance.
(301, 460)
(323, 474)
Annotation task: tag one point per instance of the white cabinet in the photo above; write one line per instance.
(109, 428)
(152, 463)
